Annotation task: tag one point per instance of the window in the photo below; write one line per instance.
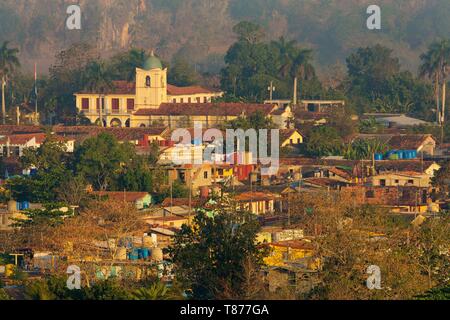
(410, 181)
(190, 100)
(205, 175)
(174, 100)
(299, 141)
(383, 182)
(85, 104)
(182, 100)
(206, 99)
(130, 104)
(148, 81)
(397, 181)
(291, 141)
(198, 100)
(102, 102)
(115, 104)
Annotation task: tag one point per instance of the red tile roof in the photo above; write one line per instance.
(322, 182)
(397, 141)
(341, 173)
(21, 139)
(178, 91)
(212, 109)
(125, 87)
(121, 134)
(409, 142)
(13, 129)
(118, 87)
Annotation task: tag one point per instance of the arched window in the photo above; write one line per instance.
(148, 81)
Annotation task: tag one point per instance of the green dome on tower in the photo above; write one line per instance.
(152, 63)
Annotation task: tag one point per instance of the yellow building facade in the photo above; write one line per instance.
(118, 107)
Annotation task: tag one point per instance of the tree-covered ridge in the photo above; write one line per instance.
(201, 30)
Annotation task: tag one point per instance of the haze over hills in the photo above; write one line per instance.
(201, 30)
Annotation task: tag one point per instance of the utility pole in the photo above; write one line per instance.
(444, 87)
(294, 101)
(3, 100)
(289, 208)
(17, 115)
(271, 90)
(36, 119)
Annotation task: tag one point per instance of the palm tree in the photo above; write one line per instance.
(294, 62)
(434, 66)
(157, 291)
(8, 62)
(286, 51)
(97, 78)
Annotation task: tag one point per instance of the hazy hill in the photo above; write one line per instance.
(200, 30)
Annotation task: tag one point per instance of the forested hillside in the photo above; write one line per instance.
(201, 30)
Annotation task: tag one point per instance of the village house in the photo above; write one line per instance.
(258, 203)
(401, 178)
(13, 145)
(292, 264)
(403, 146)
(396, 199)
(290, 138)
(194, 177)
(333, 173)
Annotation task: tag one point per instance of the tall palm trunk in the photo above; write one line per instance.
(295, 91)
(3, 100)
(444, 87)
(436, 92)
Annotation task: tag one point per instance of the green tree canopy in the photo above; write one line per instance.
(209, 255)
(101, 158)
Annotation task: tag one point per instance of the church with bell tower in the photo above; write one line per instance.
(151, 84)
(150, 90)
